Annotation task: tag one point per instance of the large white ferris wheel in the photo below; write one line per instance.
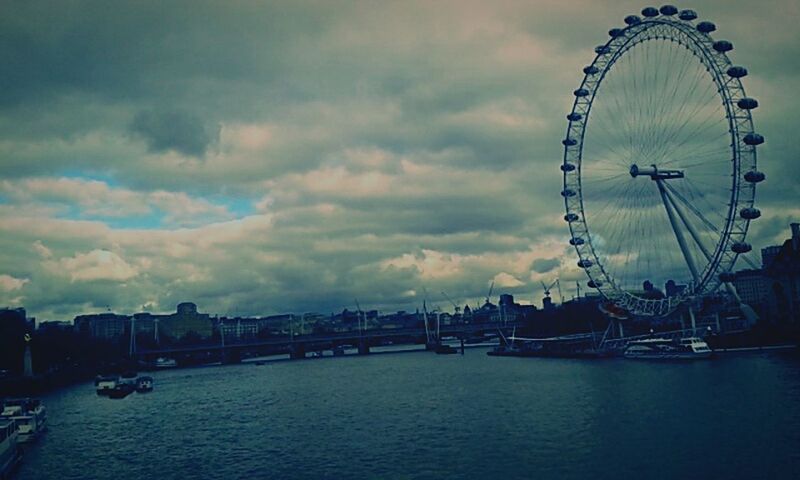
(660, 162)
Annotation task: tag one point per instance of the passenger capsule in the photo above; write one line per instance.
(668, 10)
(616, 32)
(706, 27)
(750, 213)
(632, 20)
(567, 167)
(741, 247)
(568, 193)
(590, 70)
(571, 217)
(581, 92)
(602, 49)
(569, 142)
(753, 139)
(727, 277)
(594, 284)
(574, 241)
(650, 12)
(754, 176)
(687, 15)
(737, 72)
(585, 263)
(722, 46)
(747, 103)
(574, 117)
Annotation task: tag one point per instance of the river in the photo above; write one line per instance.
(425, 416)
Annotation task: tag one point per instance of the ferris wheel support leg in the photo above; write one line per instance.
(747, 310)
(678, 233)
(692, 231)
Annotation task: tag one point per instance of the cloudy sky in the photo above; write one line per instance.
(263, 157)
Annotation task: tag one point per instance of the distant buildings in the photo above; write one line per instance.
(14, 326)
(772, 290)
(783, 273)
(186, 321)
(102, 325)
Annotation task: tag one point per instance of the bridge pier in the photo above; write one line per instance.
(298, 351)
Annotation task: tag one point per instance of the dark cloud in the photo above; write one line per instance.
(182, 132)
(544, 265)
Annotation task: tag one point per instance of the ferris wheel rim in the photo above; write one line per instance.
(696, 39)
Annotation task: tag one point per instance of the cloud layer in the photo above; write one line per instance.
(269, 157)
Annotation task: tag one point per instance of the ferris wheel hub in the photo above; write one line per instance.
(655, 173)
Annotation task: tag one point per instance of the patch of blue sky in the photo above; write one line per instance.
(100, 176)
(153, 220)
(238, 206)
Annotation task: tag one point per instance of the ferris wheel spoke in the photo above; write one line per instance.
(688, 100)
(658, 110)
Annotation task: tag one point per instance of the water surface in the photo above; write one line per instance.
(424, 416)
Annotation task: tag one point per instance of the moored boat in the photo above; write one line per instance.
(444, 349)
(166, 363)
(668, 349)
(28, 414)
(10, 453)
(566, 346)
(105, 383)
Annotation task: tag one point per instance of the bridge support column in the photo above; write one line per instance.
(298, 351)
(363, 347)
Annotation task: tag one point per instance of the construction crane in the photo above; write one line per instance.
(456, 308)
(554, 284)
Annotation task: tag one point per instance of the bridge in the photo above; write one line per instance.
(231, 351)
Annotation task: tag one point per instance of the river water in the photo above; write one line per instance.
(425, 416)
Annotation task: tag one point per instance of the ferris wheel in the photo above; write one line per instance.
(659, 163)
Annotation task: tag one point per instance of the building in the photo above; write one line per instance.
(768, 255)
(753, 289)
(783, 273)
(185, 321)
(105, 325)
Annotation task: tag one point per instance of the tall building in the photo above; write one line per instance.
(784, 277)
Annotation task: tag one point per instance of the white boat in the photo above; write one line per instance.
(105, 383)
(166, 363)
(10, 453)
(28, 414)
(668, 349)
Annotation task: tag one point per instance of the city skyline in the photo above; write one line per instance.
(255, 158)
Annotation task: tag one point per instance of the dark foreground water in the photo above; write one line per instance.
(419, 415)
